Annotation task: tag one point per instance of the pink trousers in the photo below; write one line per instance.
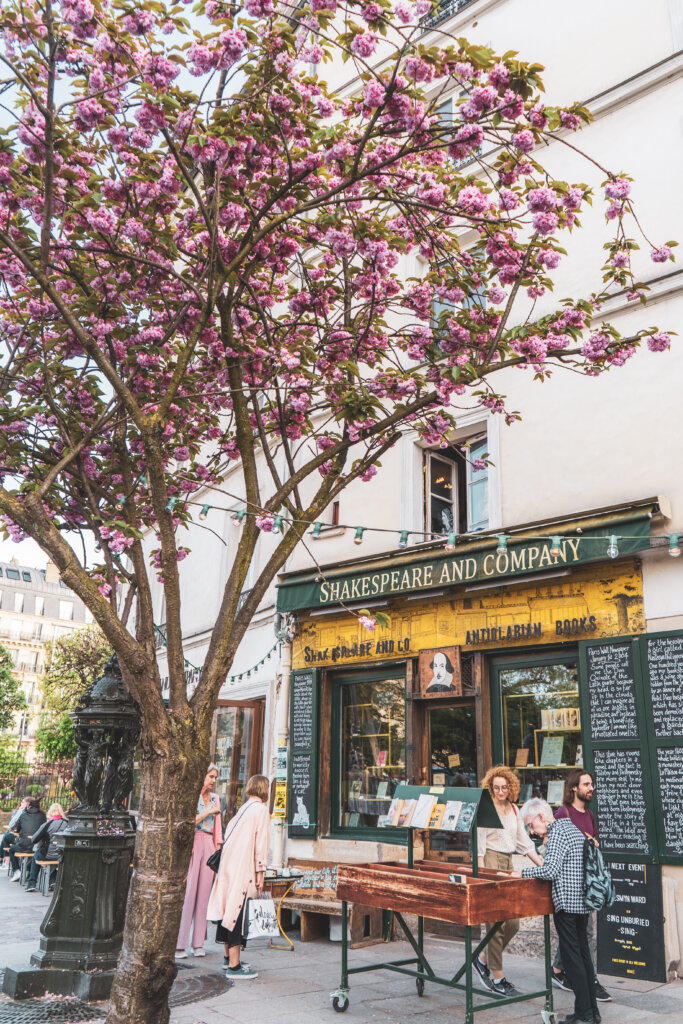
(199, 882)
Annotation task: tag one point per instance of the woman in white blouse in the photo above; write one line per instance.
(496, 847)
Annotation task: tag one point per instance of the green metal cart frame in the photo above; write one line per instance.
(418, 967)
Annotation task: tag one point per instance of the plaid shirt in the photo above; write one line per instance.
(563, 866)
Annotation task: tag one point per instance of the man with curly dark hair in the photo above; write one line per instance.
(496, 847)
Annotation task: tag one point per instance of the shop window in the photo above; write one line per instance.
(540, 723)
(456, 493)
(371, 754)
(238, 746)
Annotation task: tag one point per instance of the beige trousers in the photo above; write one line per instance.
(508, 930)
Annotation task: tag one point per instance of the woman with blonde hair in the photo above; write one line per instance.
(44, 846)
(496, 847)
(241, 872)
(207, 839)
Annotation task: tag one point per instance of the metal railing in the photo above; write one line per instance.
(442, 10)
(50, 781)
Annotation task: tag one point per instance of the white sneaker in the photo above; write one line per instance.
(16, 877)
(181, 954)
(199, 951)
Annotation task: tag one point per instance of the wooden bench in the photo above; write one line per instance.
(44, 876)
(314, 897)
(25, 859)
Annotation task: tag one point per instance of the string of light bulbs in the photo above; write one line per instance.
(236, 676)
(450, 539)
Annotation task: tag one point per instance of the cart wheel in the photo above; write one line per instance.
(341, 1004)
(420, 986)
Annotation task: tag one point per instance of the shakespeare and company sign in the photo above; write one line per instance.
(594, 602)
(486, 565)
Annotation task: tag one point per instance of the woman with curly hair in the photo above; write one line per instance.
(496, 847)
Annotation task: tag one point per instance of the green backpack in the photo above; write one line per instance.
(598, 887)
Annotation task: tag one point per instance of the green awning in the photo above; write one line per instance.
(482, 563)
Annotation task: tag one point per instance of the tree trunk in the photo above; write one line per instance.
(171, 781)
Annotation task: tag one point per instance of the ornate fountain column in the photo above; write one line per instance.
(82, 931)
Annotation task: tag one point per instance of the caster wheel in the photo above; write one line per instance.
(420, 986)
(340, 1005)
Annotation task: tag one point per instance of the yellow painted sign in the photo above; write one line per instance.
(280, 805)
(592, 603)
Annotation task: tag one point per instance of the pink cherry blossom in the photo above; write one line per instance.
(661, 255)
(659, 342)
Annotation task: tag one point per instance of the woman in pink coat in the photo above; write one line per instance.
(207, 838)
(241, 872)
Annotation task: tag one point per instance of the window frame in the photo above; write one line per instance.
(461, 503)
(384, 834)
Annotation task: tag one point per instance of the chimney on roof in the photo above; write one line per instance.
(51, 572)
(13, 560)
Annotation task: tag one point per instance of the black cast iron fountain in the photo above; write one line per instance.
(82, 931)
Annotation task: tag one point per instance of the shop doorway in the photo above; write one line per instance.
(237, 745)
(452, 735)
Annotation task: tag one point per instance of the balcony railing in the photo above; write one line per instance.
(442, 10)
(160, 636)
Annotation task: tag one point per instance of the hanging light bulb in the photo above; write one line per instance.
(450, 542)
(556, 546)
(403, 539)
(315, 532)
(172, 502)
(502, 544)
(277, 524)
(674, 549)
(613, 547)
(238, 518)
(204, 512)
(358, 539)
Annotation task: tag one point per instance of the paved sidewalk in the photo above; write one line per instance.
(294, 988)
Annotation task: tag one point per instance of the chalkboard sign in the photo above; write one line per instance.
(665, 662)
(301, 796)
(621, 803)
(631, 931)
(303, 762)
(612, 692)
(302, 710)
(632, 701)
(670, 767)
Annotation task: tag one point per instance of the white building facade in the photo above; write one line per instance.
(591, 459)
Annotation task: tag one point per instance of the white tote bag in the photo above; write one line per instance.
(260, 919)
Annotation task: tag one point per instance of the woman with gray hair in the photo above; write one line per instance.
(207, 838)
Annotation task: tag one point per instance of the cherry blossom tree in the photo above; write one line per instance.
(203, 254)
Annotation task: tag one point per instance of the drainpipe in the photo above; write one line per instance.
(279, 833)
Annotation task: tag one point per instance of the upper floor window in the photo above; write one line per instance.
(441, 10)
(40, 605)
(18, 602)
(456, 489)
(66, 609)
(26, 576)
(12, 574)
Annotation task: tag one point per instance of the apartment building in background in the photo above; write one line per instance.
(35, 609)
